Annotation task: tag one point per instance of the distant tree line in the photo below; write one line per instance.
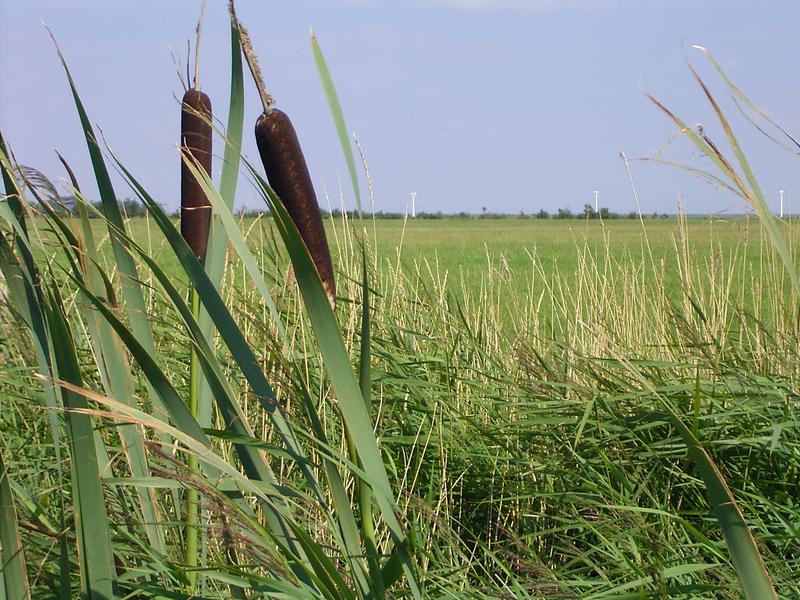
(590, 213)
(133, 208)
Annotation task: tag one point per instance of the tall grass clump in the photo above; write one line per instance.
(185, 424)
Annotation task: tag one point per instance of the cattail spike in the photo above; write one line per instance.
(286, 168)
(288, 175)
(196, 140)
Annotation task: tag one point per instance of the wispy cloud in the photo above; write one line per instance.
(524, 4)
(494, 5)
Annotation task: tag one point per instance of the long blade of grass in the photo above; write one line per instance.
(98, 575)
(176, 407)
(343, 379)
(268, 494)
(23, 281)
(750, 104)
(131, 287)
(755, 195)
(218, 235)
(338, 116)
(14, 574)
(112, 361)
(229, 332)
(365, 383)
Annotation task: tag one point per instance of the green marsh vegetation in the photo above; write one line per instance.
(617, 423)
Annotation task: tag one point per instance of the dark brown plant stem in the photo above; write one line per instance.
(196, 139)
(288, 175)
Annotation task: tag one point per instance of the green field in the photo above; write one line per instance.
(469, 246)
(523, 257)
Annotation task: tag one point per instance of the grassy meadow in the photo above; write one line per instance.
(504, 408)
(468, 249)
(524, 258)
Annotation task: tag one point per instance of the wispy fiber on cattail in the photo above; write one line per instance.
(196, 141)
(287, 171)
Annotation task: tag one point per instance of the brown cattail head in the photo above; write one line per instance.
(288, 175)
(196, 138)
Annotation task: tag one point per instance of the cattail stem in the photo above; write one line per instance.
(198, 32)
(196, 146)
(252, 60)
(192, 496)
(195, 216)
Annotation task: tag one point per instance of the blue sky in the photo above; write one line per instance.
(514, 105)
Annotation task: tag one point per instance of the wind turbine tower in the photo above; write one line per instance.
(413, 205)
(781, 193)
(596, 203)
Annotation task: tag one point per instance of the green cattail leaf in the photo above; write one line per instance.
(150, 369)
(131, 287)
(14, 576)
(217, 235)
(112, 362)
(341, 501)
(343, 379)
(365, 383)
(338, 116)
(235, 341)
(98, 575)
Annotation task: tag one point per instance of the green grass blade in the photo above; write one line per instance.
(365, 356)
(112, 362)
(755, 195)
(14, 574)
(329, 580)
(340, 371)
(338, 116)
(98, 574)
(217, 236)
(232, 336)
(176, 408)
(746, 558)
(23, 280)
(131, 287)
(365, 383)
